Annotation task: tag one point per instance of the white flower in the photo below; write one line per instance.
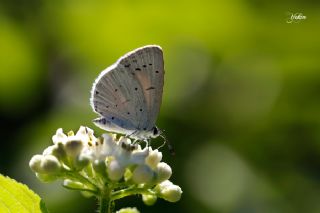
(35, 163)
(59, 137)
(100, 148)
(74, 145)
(163, 172)
(142, 174)
(138, 156)
(50, 165)
(115, 170)
(57, 150)
(153, 158)
(168, 191)
(84, 161)
(127, 157)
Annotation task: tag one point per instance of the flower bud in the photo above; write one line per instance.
(99, 166)
(56, 150)
(73, 147)
(59, 137)
(46, 178)
(169, 191)
(83, 131)
(142, 174)
(128, 210)
(81, 161)
(59, 152)
(35, 163)
(149, 200)
(163, 172)
(69, 184)
(153, 158)
(70, 133)
(50, 164)
(87, 194)
(127, 175)
(115, 170)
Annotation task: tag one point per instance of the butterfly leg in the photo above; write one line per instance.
(146, 141)
(135, 141)
(132, 133)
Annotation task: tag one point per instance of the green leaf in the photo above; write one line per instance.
(17, 197)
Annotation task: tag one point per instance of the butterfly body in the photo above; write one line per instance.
(127, 95)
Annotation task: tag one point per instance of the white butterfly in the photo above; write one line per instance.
(127, 95)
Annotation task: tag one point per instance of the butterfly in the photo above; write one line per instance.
(127, 95)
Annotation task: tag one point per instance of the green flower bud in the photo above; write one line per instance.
(163, 172)
(35, 163)
(87, 194)
(128, 210)
(142, 174)
(81, 161)
(70, 133)
(149, 200)
(127, 174)
(70, 184)
(115, 170)
(99, 166)
(46, 178)
(50, 165)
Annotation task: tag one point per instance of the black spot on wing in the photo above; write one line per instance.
(103, 120)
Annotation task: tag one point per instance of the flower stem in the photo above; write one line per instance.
(130, 191)
(76, 176)
(104, 205)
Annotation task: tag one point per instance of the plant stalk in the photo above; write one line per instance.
(104, 205)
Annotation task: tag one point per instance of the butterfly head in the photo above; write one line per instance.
(156, 132)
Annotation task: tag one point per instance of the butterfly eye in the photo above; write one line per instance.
(155, 131)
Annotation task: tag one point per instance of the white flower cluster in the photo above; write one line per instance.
(90, 164)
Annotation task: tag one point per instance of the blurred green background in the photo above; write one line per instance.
(241, 97)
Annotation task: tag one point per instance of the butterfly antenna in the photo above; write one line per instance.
(166, 141)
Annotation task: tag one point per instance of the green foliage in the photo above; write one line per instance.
(17, 197)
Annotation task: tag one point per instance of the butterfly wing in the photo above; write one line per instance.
(128, 94)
